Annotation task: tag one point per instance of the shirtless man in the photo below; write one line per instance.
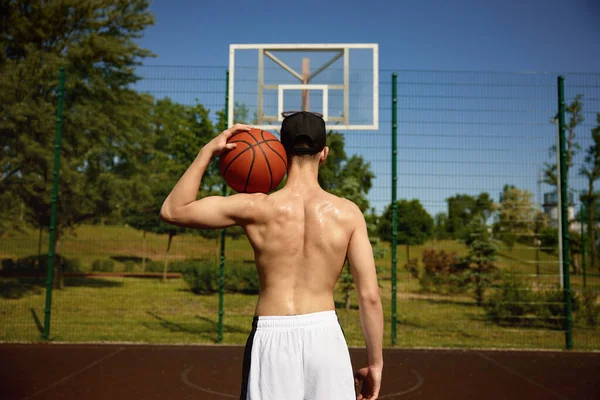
(301, 236)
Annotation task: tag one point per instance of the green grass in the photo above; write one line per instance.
(146, 310)
(120, 243)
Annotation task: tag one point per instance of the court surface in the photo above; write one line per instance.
(122, 371)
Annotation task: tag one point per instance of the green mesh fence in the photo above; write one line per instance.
(476, 151)
(478, 256)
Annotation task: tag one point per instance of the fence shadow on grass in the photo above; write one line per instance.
(205, 327)
(135, 259)
(36, 320)
(76, 281)
(17, 288)
(449, 301)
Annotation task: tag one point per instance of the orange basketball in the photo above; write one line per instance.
(257, 164)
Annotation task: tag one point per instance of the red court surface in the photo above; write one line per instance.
(116, 371)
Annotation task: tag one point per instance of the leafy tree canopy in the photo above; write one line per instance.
(103, 130)
(414, 224)
(462, 208)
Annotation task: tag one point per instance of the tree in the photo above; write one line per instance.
(347, 177)
(177, 133)
(462, 208)
(517, 216)
(10, 205)
(415, 225)
(540, 224)
(591, 170)
(481, 257)
(441, 226)
(575, 118)
(103, 136)
(241, 115)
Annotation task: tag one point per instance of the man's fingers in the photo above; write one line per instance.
(238, 128)
(230, 146)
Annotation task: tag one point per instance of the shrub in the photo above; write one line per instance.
(241, 278)
(549, 240)
(590, 309)
(40, 264)
(202, 278)
(183, 265)
(129, 266)
(154, 266)
(550, 307)
(442, 272)
(8, 264)
(516, 303)
(511, 302)
(174, 266)
(103, 266)
(412, 266)
(379, 252)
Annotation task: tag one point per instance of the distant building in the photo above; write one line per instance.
(550, 207)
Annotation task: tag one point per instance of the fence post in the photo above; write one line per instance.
(54, 204)
(564, 208)
(222, 257)
(394, 203)
(581, 221)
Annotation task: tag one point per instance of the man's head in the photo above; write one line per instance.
(304, 136)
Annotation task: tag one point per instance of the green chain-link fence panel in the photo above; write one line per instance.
(478, 262)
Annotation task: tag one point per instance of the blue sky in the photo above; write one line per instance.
(461, 130)
(509, 35)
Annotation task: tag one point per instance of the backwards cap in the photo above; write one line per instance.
(306, 125)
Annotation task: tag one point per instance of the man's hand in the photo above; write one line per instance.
(181, 207)
(370, 377)
(219, 143)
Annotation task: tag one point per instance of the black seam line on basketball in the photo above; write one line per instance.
(249, 171)
(250, 146)
(236, 157)
(275, 151)
(250, 133)
(267, 161)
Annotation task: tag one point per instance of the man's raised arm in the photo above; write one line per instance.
(181, 207)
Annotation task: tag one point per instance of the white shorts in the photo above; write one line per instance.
(297, 357)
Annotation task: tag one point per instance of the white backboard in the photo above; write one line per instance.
(339, 81)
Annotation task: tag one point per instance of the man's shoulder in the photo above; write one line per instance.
(347, 206)
(250, 198)
(248, 204)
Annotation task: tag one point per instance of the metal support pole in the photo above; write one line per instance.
(564, 208)
(394, 203)
(54, 204)
(222, 249)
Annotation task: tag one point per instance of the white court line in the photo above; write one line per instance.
(507, 369)
(420, 381)
(184, 378)
(66, 378)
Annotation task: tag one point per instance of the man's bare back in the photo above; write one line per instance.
(301, 236)
(300, 239)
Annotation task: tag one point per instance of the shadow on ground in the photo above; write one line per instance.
(205, 327)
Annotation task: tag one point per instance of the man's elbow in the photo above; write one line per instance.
(166, 214)
(371, 298)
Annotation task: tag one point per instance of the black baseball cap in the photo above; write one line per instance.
(306, 125)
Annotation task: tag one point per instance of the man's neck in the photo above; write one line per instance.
(303, 176)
